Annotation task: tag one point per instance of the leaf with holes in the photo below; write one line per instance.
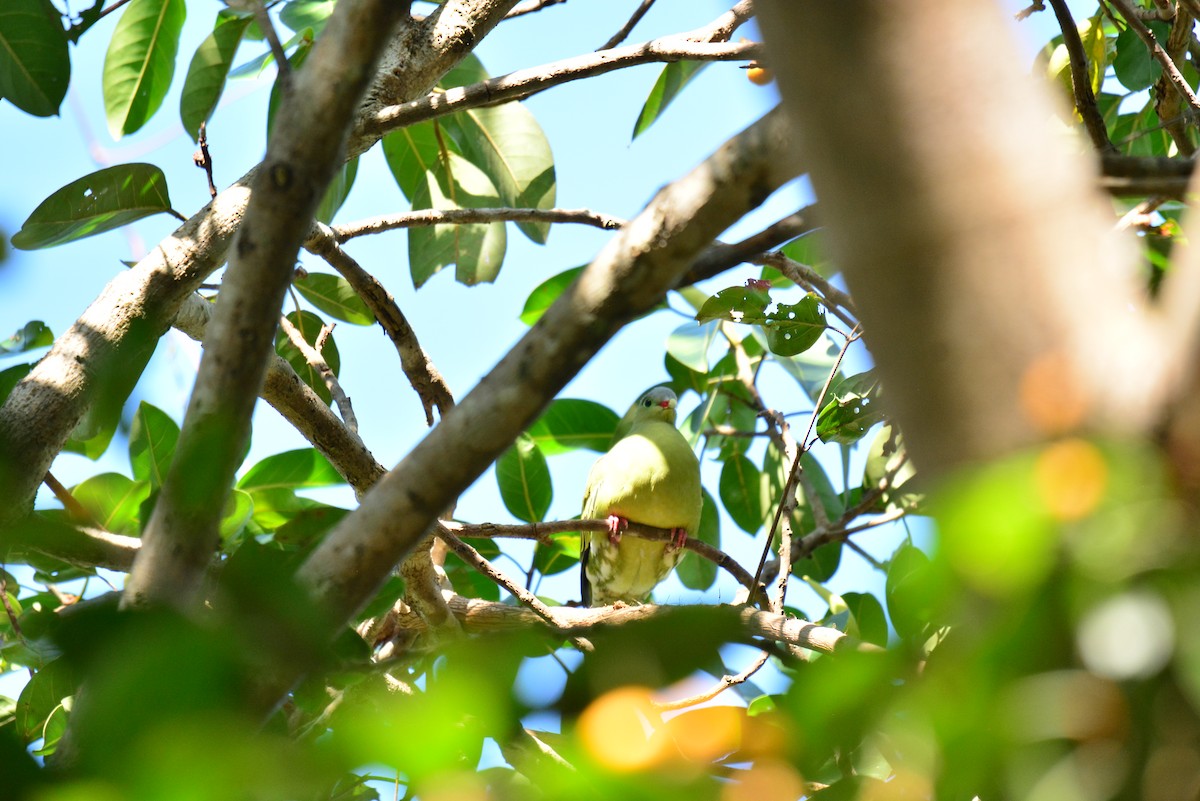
(524, 481)
(794, 328)
(737, 304)
(851, 409)
(99, 202)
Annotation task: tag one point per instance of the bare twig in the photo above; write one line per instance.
(524, 83)
(720, 257)
(312, 355)
(530, 6)
(430, 387)
(423, 217)
(203, 159)
(834, 299)
(477, 561)
(721, 686)
(1085, 98)
(625, 29)
(74, 508)
(1160, 55)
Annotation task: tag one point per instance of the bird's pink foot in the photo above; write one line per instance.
(616, 524)
(678, 539)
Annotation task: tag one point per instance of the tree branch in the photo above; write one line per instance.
(1160, 55)
(1081, 82)
(627, 28)
(306, 146)
(631, 275)
(422, 217)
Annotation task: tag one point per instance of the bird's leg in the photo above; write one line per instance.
(678, 539)
(616, 524)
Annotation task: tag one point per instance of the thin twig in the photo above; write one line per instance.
(487, 569)
(317, 362)
(268, 31)
(721, 686)
(1160, 55)
(111, 9)
(74, 508)
(627, 28)
(834, 299)
(423, 217)
(203, 159)
(1085, 98)
(430, 387)
(530, 6)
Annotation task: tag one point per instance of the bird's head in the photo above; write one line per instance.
(656, 404)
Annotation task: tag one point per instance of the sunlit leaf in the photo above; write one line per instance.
(305, 467)
(301, 14)
(113, 501)
(415, 150)
(794, 328)
(545, 293)
(140, 62)
(101, 201)
(35, 66)
(524, 481)
(675, 76)
(477, 251)
(209, 70)
(738, 304)
(562, 553)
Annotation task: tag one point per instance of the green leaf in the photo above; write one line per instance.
(887, 454)
(43, 693)
(868, 617)
(568, 424)
(477, 251)
(239, 507)
(821, 564)
(415, 150)
(310, 326)
(114, 501)
(309, 525)
(295, 62)
(140, 62)
(101, 201)
(209, 70)
(338, 191)
(152, 442)
(740, 489)
(34, 335)
(670, 83)
(545, 293)
(794, 328)
(811, 250)
(562, 553)
(507, 143)
(301, 14)
(305, 467)
(276, 506)
(695, 572)
(737, 304)
(524, 481)
(689, 343)
(10, 377)
(333, 295)
(910, 591)
(256, 65)
(1134, 65)
(35, 66)
(851, 409)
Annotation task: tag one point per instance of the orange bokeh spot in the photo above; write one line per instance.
(1071, 478)
(1051, 397)
(768, 780)
(703, 734)
(623, 731)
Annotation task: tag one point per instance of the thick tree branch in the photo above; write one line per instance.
(1081, 82)
(306, 146)
(631, 275)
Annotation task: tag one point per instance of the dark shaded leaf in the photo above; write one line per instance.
(524, 481)
(35, 66)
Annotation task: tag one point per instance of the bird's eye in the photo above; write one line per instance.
(647, 402)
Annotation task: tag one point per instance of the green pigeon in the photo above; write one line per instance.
(650, 476)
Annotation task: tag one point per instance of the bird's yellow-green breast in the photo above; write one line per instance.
(651, 476)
